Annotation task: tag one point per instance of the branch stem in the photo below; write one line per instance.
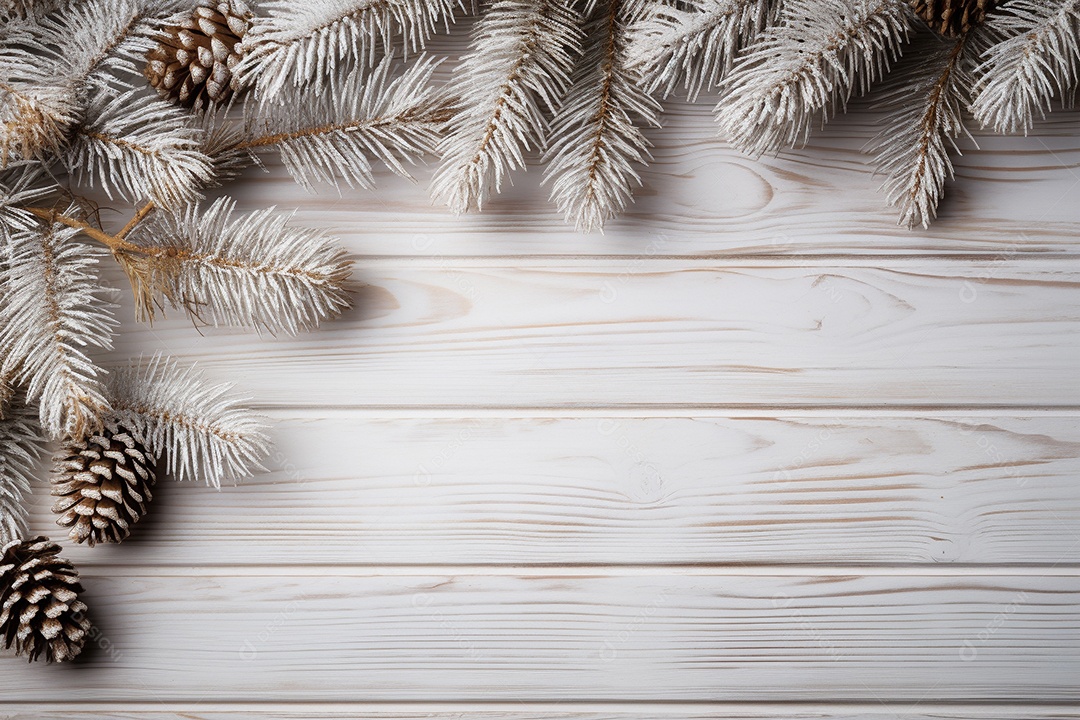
(136, 219)
(115, 242)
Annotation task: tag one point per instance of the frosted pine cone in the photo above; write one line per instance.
(952, 17)
(193, 63)
(40, 610)
(103, 483)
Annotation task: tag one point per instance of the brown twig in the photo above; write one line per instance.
(116, 243)
(136, 219)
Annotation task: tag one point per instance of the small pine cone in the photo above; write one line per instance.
(40, 610)
(952, 17)
(193, 62)
(103, 483)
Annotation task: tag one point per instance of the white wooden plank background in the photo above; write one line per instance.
(343, 635)
(756, 452)
(600, 334)
(625, 490)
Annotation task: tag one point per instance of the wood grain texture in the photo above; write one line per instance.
(1014, 196)
(1011, 195)
(754, 453)
(917, 333)
(550, 711)
(269, 636)
(361, 490)
(699, 197)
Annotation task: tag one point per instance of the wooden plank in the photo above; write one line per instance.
(363, 490)
(1012, 195)
(828, 334)
(315, 635)
(560, 711)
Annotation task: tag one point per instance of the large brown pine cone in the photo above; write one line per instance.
(193, 62)
(103, 483)
(952, 17)
(40, 610)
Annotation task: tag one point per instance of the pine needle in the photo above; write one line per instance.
(21, 184)
(925, 99)
(799, 70)
(140, 148)
(20, 446)
(517, 69)
(35, 113)
(312, 42)
(597, 141)
(1035, 59)
(203, 431)
(255, 270)
(54, 310)
(51, 66)
(695, 44)
(370, 117)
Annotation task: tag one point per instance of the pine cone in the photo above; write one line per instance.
(952, 17)
(103, 483)
(192, 63)
(40, 612)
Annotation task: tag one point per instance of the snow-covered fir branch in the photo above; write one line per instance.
(140, 148)
(27, 9)
(926, 98)
(517, 70)
(21, 185)
(35, 110)
(20, 446)
(204, 432)
(1035, 60)
(799, 70)
(254, 270)
(49, 67)
(332, 136)
(311, 42)
(596, 138)
(54, 312)
(104, 40)
(695, 43)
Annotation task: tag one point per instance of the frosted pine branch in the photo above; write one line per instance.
(221, 145)
(596, 138)
(794, 75)
(203, 431)
(140, 148)
(1035, 59)
(20, 445)
(54, 310)
(926, 100)
(695, 45)
(253, 270)
(21, 184)
(27, 9)
(518, 67)
(35, 112)
(301, 43)
(105, 40)
(48, 67)
(370, 117)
